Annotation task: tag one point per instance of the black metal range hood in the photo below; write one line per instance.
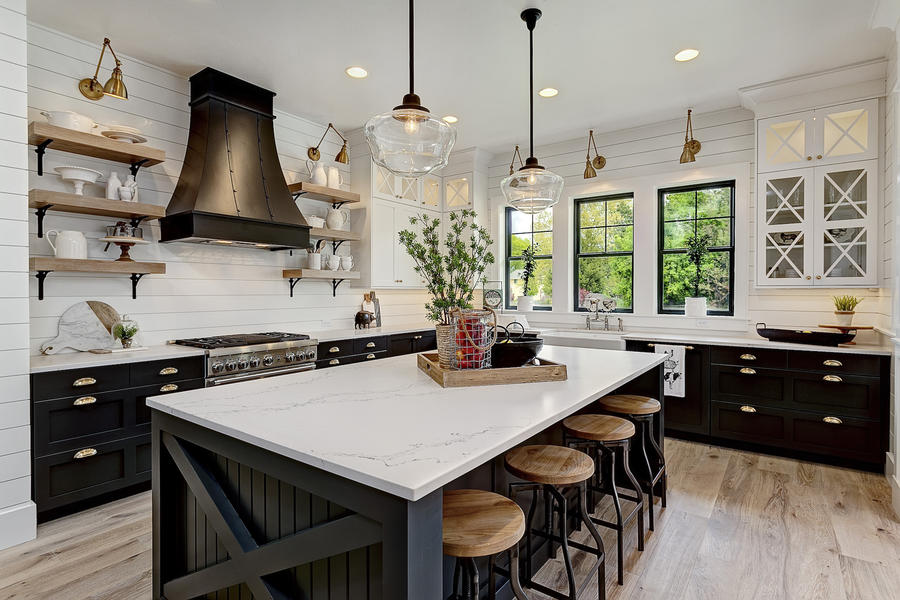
(231, 189)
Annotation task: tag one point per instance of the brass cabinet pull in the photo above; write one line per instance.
(334, 349)
(370, 356)
(370, 345)
(832, 379)
(168, 371)
(833, 420)
(748, 409)
(748, 357)
(86, 453)
(686, 347)
(169, 387)
(833, 363)
(334, 361)
(84, 401)
(83, 381)
(417, 337)
(748, 371)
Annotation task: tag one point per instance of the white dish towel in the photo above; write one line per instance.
(673, 369)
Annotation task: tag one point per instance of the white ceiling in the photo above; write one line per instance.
(611, 60)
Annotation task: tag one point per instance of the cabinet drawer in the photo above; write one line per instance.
(142, 413)
(835, 363)
(747, 385)
(370, 344)
(67, 423)
(62, 384)
(838, 436)
(750, 423)
(335, 348)
(751, 357)
(849, 395)
(349, 360)
(424, 341)
(161, 371)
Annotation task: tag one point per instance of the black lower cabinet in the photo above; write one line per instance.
(350, 351)
(92, 443)
(412, 343)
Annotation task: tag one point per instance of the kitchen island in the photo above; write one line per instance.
(330, 481)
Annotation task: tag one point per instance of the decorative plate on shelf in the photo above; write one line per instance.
(124, 136)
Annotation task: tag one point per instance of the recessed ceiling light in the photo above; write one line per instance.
(548, 92)
(356, 72)
(451, 119)
(687, 54)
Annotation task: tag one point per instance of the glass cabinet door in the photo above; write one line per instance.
(784, 201)
(384, 183)
(409, 189)
(431, 192)
(847, 132)
(457, 193)
(845, 220)
(785, 142)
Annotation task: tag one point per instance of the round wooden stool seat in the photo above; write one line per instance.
(478, 523)
(552, 465)
(628, 404)
(599, 428)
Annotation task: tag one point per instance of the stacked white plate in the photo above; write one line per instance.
(122, 133)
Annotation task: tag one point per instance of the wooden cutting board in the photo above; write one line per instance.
(84, 326)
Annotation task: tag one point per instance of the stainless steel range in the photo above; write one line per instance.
(231, 358)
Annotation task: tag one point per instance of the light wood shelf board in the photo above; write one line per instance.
(96, 146)
(50, 263)
(87, 205)
(311, 191)
(318, 274)
(334, 234)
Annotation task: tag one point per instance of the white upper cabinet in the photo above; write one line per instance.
(841, 133)
(784, 230)
(432, 196)
(387, 186)
(458, 192)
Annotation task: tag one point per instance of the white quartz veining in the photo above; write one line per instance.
(699, 337)
(75, 360)
(387, 425)
(343, 334)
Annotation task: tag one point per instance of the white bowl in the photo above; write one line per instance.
(69, 120)
(315, 222)
(78, 176)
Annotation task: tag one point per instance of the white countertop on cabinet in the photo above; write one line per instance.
(75, 360)
(753, 341)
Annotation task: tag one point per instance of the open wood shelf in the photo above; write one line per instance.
(335, 235)
(44, 135)
(336, 277)
(311, 191)
(44, 265)
(44, 200)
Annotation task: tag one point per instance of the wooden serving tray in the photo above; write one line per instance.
(547, 370)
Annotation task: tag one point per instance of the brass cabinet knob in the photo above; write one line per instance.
(168, 371)
(819, 156)
(809, 276)
(832, 379)
(818, 277)
(334, 349)
(833, 420)
(370, 356)
(748, 371)
(83, 381)
(334, 361)
(748, 409)
(169, 387)
(84, 401)
(748, 357)
(370, 345)
(86, 453)
(809, 158)
(833, 363)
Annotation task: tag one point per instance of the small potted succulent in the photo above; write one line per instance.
(844, 309)
(526, 300)
(697, 248)
(125, 330)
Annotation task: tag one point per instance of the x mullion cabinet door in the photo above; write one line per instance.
(785, 228)
(786, 142)
(846, 132)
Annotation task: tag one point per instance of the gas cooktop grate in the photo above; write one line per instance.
(242, 339)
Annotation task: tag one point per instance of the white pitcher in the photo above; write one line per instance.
(334, 178)
(337, 218)
(69, 244)
(317, 173)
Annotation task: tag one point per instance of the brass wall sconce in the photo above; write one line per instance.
(342, 156)
(512, 161)
(691, 146)
(592, 166)
(115, 87)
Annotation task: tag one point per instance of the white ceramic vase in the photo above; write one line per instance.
(844, 318)
(525, 303)
(695, 307)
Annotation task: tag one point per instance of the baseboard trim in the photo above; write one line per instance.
(890, 468)
(18, 524)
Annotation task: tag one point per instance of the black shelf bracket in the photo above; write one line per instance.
(135, 278)
(135, 221)
(297, 195)
(335, 244)
(334, 285)
(40, 154)
(135, 166)
(40, 212)
(41, 276)
(293, 281)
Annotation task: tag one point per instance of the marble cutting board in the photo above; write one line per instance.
(84, 326)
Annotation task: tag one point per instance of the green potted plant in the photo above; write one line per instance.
(125, 330)
(526, 300)
(451, 268)
(697, 248)
(845, 308)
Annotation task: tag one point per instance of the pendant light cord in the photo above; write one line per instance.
(411, 53)
(531, 86)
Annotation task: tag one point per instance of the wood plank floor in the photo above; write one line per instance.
(738, 526)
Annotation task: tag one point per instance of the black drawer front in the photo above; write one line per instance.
(162, 371)
(335, 349)
(850, 395)
(61, 479)
(86, 381)
(370, 344)
(747, 384)
(425, 341)
(70, 423)
(846, 437)
(750, 423)
(837, 363)
(349, 360)
(142, 413)
(749, 357)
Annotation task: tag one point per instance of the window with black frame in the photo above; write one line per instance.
(696, 211)
(604, 250)
(522, 231)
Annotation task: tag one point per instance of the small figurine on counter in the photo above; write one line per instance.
(364, 319)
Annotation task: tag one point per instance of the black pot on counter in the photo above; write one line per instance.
(511, 351)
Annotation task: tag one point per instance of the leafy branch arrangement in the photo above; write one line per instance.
(451, 273)
(124, 332)
(846, 303)
(529, 264)
(697, 247)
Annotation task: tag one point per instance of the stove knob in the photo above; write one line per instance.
(289, 357)
(243, 363)
(254, 362)
(217, 367)
(301, 355)
(268, 360)
(230, 365)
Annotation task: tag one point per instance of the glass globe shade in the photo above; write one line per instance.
(409, 142)
(532, 190)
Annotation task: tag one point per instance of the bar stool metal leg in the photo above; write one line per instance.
(516, 585)
(639, 495)
(643, 425)
(564, 537)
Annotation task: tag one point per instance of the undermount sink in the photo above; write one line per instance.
(583, 338)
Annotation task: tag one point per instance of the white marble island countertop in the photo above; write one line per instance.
(387, 425)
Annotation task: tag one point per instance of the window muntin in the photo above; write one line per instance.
(604, 249)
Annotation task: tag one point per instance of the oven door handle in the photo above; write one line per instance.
(259, 374)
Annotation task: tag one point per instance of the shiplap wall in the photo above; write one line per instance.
(891, 174)
(205, 290)
(728, 137)
(17, 512)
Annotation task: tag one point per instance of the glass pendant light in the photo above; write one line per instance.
(409, 141)
(532, 189)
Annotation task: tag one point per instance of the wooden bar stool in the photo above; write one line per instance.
(554, 470)
(641, 410)
(478, 523)
(606, 436)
